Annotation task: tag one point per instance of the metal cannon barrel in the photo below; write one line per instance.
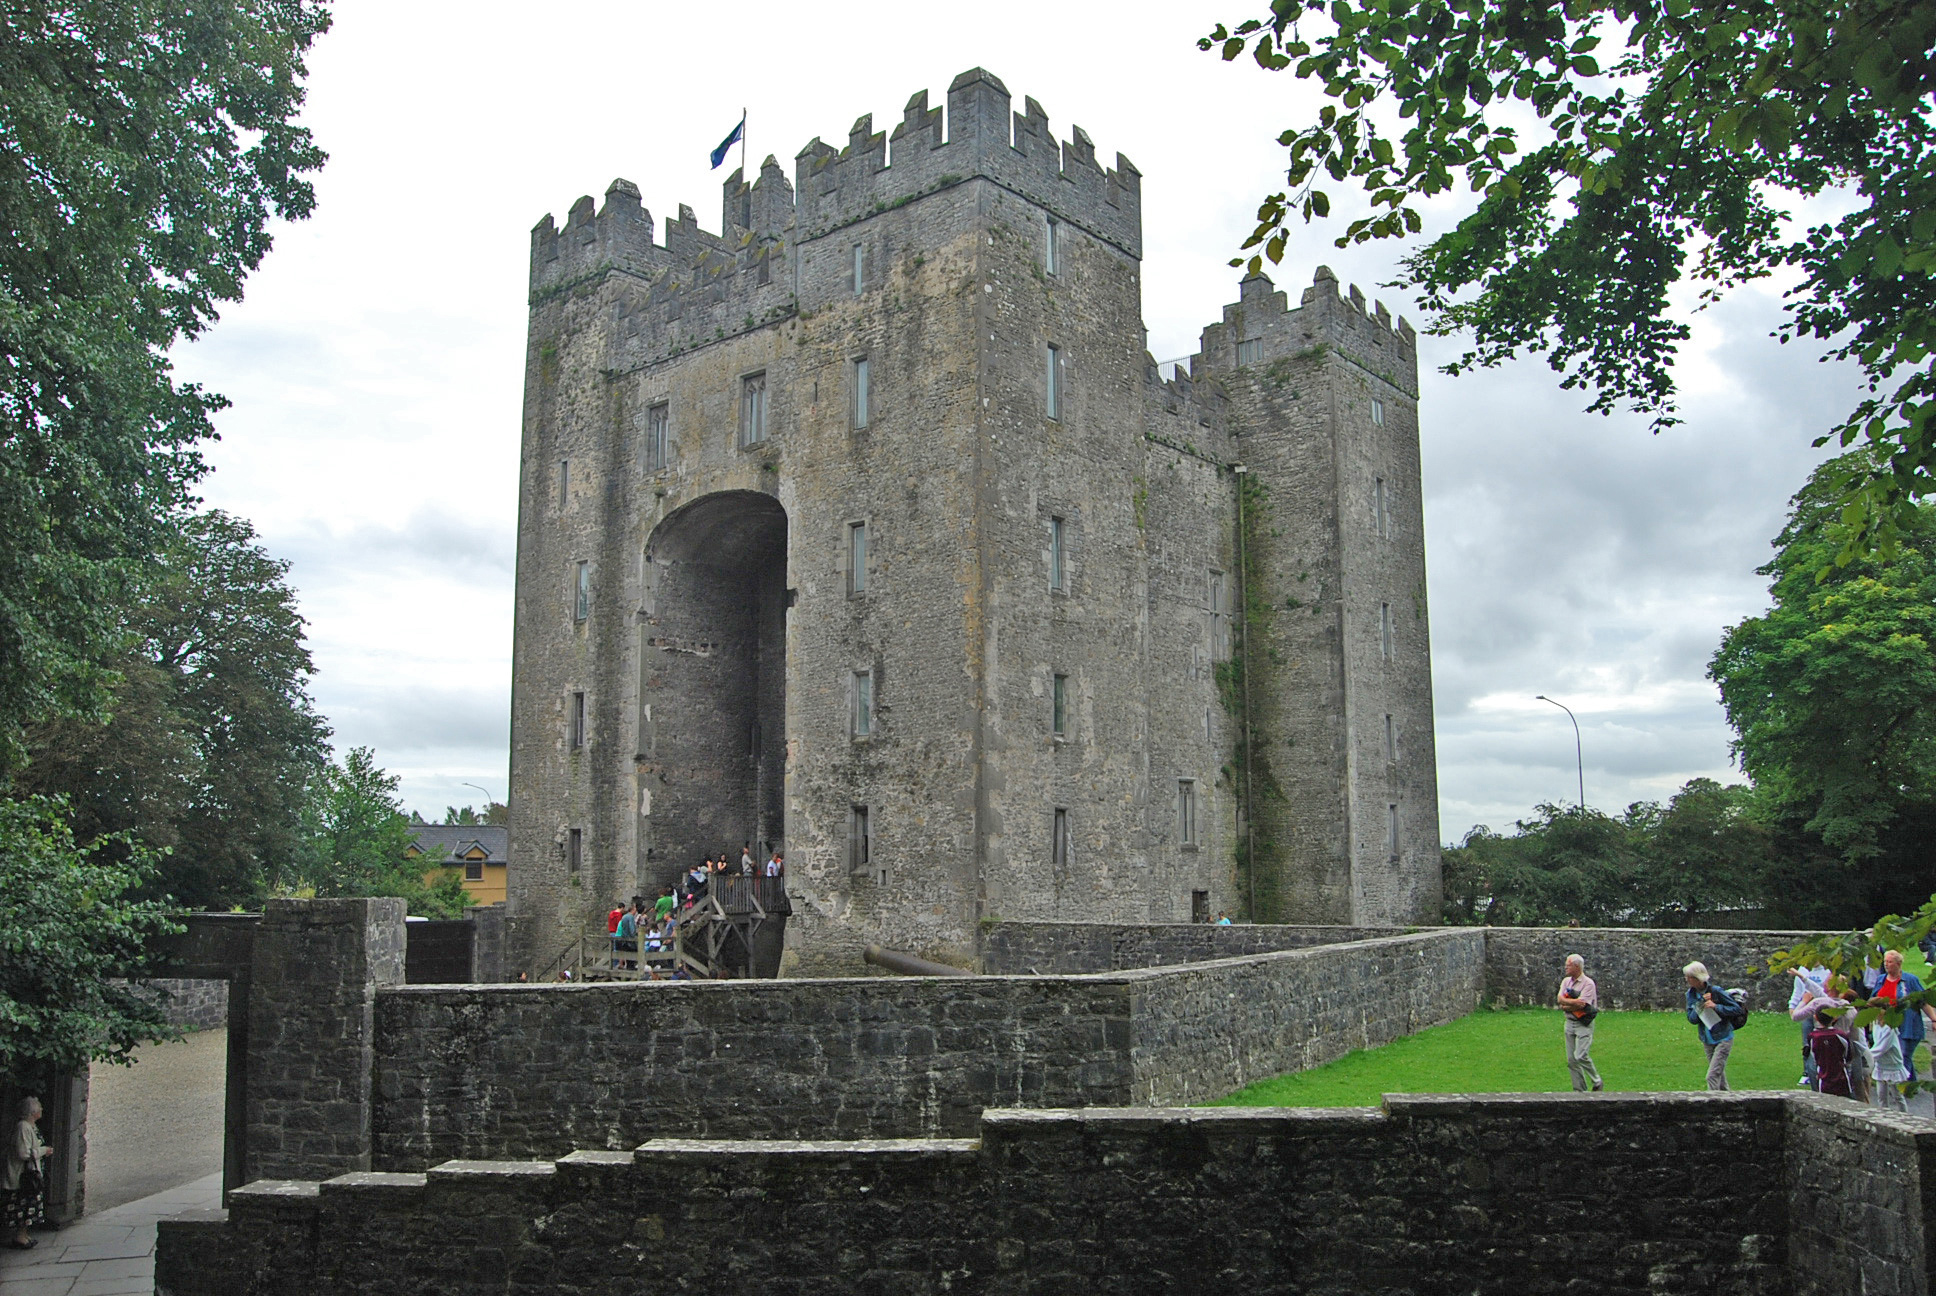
(907, 964)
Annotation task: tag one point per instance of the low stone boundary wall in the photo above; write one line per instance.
(1634, 967)
(1070, 948)
(520, 1071)
(1523, 1194)
(193, 1003)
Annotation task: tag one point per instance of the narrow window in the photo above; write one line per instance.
(1057, 572)
(581, 603)
(860, 392)
(1059, 839)
(1391, 740)
(1055, 381)
(575, 723)
(1186, 811)
(473, 870)
(860, 269)
(1377, 412)
(1391, 828)
(575, 849)
(1060, 707)
(1250, 352)
(856, 558)
(564, 484)
(860, 841)
(1382, 509)
(1385, 630)
(752, 409)
(1199, 906)
(1051, 254)
(863, 693)
(1218, 597)
(658, 424)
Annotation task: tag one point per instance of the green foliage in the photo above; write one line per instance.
(210, 736)
(1832, 692)
(69, 925)
(1663, 156)
(495, 813)
(1655, 866)
(354, 838)
(144, 149)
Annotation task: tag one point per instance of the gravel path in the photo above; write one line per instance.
(157, 1124)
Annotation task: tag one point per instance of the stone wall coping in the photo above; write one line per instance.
(1425, 929)
(589, 1157)
(393, 1185)
(1124, 1120)
(489, 1172)
(1757, 1102)
(806, 1148)
(272, 1190)
(1893, 1127)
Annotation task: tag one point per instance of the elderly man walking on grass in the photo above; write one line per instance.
(1579, 999)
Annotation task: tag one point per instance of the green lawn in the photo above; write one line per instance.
(1519, 1051)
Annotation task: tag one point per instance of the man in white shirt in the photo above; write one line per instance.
(1579, 1000)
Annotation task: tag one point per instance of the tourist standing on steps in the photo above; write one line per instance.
(1705, 1005)
(1579, 1000)
(26, 1156)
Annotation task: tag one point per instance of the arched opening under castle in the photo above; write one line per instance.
(712, 681)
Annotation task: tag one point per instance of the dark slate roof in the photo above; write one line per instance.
(449, 842)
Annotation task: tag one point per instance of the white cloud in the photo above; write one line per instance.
(377, 365)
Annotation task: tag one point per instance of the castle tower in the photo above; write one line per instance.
(868, 530)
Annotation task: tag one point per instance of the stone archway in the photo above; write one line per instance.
(712, 682)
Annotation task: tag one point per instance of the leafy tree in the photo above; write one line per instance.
(355, 835)
(1671, 160)
(68, 922)
(144, 148)
(1832, 695)
(211, 734)
(1703, 852)
(495, 813)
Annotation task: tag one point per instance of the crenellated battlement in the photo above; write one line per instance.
(1323, 318)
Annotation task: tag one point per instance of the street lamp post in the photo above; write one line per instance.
(1578, 763)
(488, 803)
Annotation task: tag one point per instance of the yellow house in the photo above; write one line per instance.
(477, 849)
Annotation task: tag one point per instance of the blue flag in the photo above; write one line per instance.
(719, 154)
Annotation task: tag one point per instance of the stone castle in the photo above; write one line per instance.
(869, 529)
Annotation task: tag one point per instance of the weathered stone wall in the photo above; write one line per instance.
(518, 1071)
(318, 964)
(1051, 948)
(194, 1003)
(1637, 968)
(1515, 1195)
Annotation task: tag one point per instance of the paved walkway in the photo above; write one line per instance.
(110, 1253)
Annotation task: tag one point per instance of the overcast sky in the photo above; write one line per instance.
(376, 368)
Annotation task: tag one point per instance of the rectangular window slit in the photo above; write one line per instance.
(575, 849)
(860, 269)
(1385, 630)
(860, 841)
(1186, 811)
(1059, 839)
(860, 392)
(581, 605)
(1057, 571)
(856, 558)
(1055, 381)
(752, 409)
(1060, 708)
(658, 424)
(576, 725)
(1377, 412)
(1051, 254)
(863, 720)
(564, 484)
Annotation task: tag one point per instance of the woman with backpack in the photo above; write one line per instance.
(1715, 1014)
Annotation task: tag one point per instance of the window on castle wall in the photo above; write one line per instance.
(1059, 706)
(1250, 352)
(575, 722)
(1385, 630)
(1377, 412)
(862, 394)
(1218, 610)
(752, 409)
(856, 558)
(658, 428)
(1381, 509)
(1391, 829)
(860, 840)
(861, 718)
(1391, 740)
(860, 269)
(1186, 812)
(1059, 839)
(1055, 382)
(581, 599)
(564, 484)
(1058, 555)
(575, 849)
(1051, 249)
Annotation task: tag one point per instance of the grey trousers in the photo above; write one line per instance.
(1717, 1062)
(1579, 1056)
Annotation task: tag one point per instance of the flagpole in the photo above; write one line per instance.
(742, 143)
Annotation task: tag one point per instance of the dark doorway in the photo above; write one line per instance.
(712, 682)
